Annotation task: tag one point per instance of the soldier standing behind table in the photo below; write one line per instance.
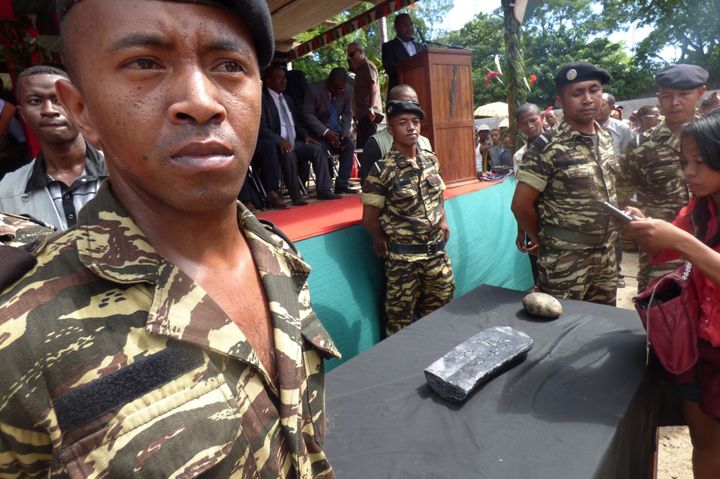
(404, 212)
(653, 169)
(574, 238)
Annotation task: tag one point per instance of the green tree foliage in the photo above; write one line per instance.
(559, 31)
(692, 27)
(318, 64)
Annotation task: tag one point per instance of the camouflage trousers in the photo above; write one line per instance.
(415, 289)
(649, 271)
(587, 274)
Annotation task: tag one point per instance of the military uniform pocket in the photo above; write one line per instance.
(434, 181)
(181, 427)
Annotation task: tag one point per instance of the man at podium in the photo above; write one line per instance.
(401, 47)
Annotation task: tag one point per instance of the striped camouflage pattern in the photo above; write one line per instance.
(416, 289)
(17, 230)
(410, 194)
(574, 179)
(115, 364)
(653, 171)
(569, 273)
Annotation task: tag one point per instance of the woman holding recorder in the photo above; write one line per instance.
(695, 236)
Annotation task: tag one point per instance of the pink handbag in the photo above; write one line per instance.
(669, 309)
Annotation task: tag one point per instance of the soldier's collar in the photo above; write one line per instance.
(112, 245)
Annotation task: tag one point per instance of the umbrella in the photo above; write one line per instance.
(496, 109)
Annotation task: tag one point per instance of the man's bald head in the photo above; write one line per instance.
(402, 93)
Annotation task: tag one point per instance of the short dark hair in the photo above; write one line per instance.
(337, 73)
(43, 70)
(274, 66)
(526, 108)
(645, 110)
(399, 17)
(398, 90)
(357, 45)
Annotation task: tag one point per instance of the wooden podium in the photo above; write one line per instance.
(442, 78)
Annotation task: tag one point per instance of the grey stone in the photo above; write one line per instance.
(542, 305)
(455, 375)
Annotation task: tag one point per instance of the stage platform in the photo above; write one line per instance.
(346, 282)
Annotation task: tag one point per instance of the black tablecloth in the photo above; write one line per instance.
(582, 405)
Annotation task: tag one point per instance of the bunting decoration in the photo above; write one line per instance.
(335, 33)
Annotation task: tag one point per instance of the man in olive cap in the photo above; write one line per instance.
(558, 194)
(169, 334)
(653, 169)
(404, 212)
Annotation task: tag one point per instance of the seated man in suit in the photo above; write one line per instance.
(282, 142)
(327, 112)
(399, 48)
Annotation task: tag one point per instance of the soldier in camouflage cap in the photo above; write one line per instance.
(404, 212)
(559, 193)
(169, 334)
(653, 169)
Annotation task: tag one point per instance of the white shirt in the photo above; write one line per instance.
(409, 46)
(518, 158)
(283, 127)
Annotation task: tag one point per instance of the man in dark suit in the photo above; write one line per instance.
(327, 112)
(401, 47)
(282, 142)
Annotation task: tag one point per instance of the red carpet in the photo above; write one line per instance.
(322, 217)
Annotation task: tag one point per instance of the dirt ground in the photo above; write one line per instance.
(675, 450)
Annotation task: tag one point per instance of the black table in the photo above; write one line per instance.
(582, 405)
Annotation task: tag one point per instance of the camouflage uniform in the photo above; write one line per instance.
(409, 193)
(18, 230)
(653, 170)
(116, 364)
(576, 259)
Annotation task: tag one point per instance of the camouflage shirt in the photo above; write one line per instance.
(410, 195)
(574, 177)
(116, 364)
(18, 230)
(653, 171)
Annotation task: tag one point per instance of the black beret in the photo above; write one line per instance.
(395, 108)
(682, 76)
(580, 71)
(254, 13)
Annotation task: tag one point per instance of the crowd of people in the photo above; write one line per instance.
(125, 343)
(566, 174)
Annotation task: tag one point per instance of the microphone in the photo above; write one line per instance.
(422, 37)
(437, 44)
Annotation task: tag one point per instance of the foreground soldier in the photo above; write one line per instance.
(404, 212)
(574, 238)
(653, 169)
(169, 334)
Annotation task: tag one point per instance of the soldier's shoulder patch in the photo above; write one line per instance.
(16, 263)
